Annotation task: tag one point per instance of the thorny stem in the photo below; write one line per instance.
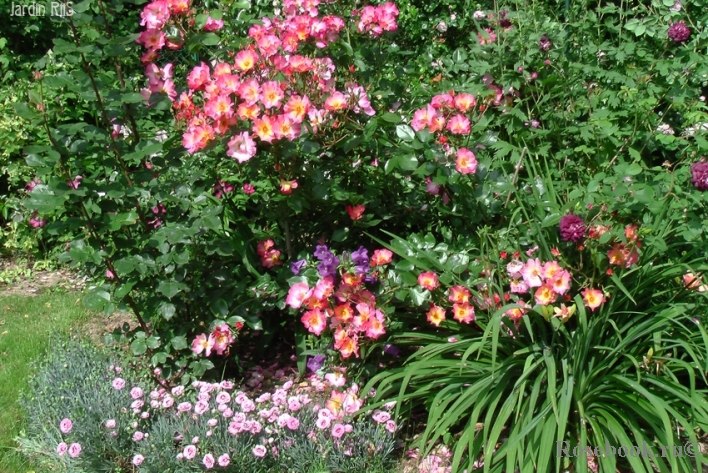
(288, 244)
(106, 121)
(92, 229)
(119, 72)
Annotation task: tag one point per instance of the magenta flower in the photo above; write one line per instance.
(679, 32)
(74, 450)
(32, 184)
(699, 175)
(248, 189)
(75, 183)
(65, 426)
(136, 393)
(572, 228)
(36, 222)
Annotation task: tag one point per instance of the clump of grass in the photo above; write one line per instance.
(27, 326)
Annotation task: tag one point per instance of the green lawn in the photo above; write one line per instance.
(26, 327)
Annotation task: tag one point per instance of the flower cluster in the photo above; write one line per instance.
(626, 254)
(164, 22)
(269, 88)
(346, 306)
(37, 222)
(219, 340)
(572, 228)
(221, 188)
(376, 20)
(73, 450)
(547, 282)
(679, 32)
(699, 175)
(270, 256)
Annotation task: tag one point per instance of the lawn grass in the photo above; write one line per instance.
(27, 325)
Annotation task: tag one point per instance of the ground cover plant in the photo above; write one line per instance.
(495, 215)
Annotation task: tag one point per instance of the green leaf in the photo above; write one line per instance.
(419, 295)
(391, 118)
(138, 346)
(405, 132)
(170, 288)
(96, 299)
(219, 307)
(167, 310)
(408, 163)
(153, 342)
(209, 39)
(179, 342)
(23, 110)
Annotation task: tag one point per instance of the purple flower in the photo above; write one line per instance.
(679, 32)
(296, 266)
(392, 350)
(572, 228)
(699, 172)
(360, 257)
(545, 43)
(321, 252)
(327, 269)
(221, 188)
(315, 363)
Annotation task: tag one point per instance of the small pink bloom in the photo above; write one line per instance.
(110, 424)
(65, 426)
(338, 430)
(74, 450)
(118, 384)
(208, 461)
(224, 460)
(190, 451)
(136, 393)
(428, 280)
(138, 459)
(259, 451)
(466, 162)
(62, 448)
